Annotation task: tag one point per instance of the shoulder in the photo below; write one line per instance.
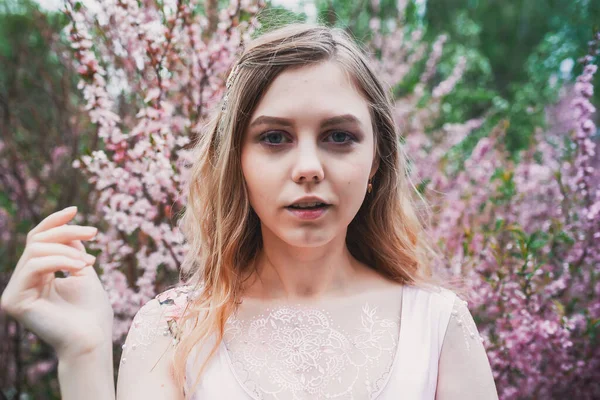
(145, 369)
(463, 324)
(433, 296)
(458, 321)
(449, 312)
(171, 303)
(464, 369)
(441, 304)
(460, 317)
(168, 305)
(155, 323)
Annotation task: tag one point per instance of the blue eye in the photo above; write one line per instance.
(271, 135)
(341, 135)
(276, 138)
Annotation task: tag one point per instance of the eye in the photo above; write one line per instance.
(274, 137)
(277, 138)
(339, 136)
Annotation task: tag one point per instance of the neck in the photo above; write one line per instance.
(307, 273)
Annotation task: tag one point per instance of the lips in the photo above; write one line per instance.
(314, 206)
(307, 200)
(309, 213)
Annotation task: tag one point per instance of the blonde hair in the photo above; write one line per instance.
(222, 230)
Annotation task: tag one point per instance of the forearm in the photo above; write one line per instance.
(87, 377)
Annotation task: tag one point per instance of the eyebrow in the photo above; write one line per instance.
(264, 119)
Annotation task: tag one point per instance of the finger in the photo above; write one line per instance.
(66, 234)
(87, 270)
(76, 244)
(37, 272)
(55, 219)
(50, 264)
(42, 249)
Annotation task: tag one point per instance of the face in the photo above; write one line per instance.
(310, 135)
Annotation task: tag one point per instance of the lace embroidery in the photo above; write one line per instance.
(155, 319)
(297, 352)
(464, 319)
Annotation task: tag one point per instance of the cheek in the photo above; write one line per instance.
(355, 171)
(351, 185)
(259, 180)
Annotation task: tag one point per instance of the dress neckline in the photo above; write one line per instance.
(223, 349)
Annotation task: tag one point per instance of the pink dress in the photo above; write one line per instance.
(376, 346)
(389, 343)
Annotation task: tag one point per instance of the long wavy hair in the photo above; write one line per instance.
(222, 230)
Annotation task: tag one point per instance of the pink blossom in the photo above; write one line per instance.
(513, 231)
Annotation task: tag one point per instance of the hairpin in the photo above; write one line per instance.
(228, 84)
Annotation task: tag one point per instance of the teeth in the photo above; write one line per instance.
(306, 205)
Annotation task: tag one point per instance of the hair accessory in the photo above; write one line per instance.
(369, 186)
(228, 84)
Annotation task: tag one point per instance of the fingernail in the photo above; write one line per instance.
(71, 208)
(89, 258)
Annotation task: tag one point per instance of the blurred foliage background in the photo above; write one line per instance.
(519, 54)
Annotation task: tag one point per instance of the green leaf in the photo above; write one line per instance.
(563, 236)
(499, 224)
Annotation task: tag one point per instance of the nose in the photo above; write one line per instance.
(308, 166)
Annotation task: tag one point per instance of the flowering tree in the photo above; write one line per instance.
(522, 231)
(41, 131)
(525, 235)
(148, 74)
(171, 61)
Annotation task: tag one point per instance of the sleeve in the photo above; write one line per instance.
(464, 370)
(145, 370)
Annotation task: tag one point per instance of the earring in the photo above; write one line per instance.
(369, 186)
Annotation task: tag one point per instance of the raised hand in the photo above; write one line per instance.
(71, 314)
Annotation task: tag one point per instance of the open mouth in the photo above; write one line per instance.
(311, 206)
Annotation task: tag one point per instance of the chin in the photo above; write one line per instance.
(308, 237)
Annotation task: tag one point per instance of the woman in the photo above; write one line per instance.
(307, 275)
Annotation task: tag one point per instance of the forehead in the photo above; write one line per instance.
(313, 91)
